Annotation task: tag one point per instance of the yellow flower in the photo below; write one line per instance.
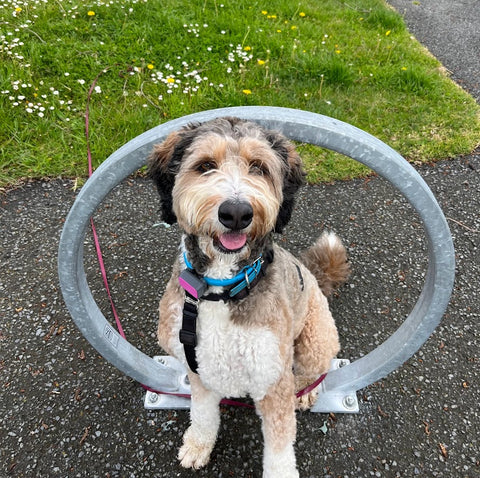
(18, 9)
(247, 48)
(338, 51)
(90, 13)
(247, 92)
(150, 66)
(404, 68)
(264, 12)
(293, 27)
(279, 31)
(272, 16)
(170, 80)
(261, 62)
(388, 32)
(302, 14)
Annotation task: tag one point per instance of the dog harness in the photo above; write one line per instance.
(195, 286)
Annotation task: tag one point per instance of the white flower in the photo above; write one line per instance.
(98, 89)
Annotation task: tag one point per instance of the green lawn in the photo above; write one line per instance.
(354, 61)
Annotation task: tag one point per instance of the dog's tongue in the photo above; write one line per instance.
(233, 240)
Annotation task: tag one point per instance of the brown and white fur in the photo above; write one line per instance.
(230, 184)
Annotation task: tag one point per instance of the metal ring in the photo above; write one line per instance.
(297, 125)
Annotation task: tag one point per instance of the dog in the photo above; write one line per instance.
(245, 316)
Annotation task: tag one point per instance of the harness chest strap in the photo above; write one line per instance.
(188, 332)
(195, 287)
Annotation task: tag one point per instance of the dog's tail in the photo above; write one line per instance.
(327, 261)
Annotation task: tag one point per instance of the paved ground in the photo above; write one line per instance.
(451, 31)
(66, 412)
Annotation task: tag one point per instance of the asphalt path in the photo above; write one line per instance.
(66, 412)
(451, 31)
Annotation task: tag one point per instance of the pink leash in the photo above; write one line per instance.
(94, 231)
(103, 271)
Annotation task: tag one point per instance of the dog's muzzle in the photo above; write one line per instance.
(235, 215)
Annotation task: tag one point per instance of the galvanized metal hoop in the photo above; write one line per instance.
(297, 125)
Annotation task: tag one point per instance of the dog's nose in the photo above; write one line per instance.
(235, 215)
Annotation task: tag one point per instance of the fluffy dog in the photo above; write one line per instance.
(261, 321)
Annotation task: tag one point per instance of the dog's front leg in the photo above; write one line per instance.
(199, 439)
(277, 410)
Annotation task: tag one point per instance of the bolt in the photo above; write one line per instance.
(186, 380)
(349, 402)
(342, 363)
(153, 397)
(161, 361)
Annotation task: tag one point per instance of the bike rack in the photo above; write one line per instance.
(338, 390)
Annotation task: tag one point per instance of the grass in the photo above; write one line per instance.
(353, 61)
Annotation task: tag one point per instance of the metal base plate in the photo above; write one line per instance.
(336, 402)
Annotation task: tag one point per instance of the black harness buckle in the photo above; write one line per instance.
(188, 338)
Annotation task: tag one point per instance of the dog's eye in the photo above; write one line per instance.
(258, 169)
(206, 166)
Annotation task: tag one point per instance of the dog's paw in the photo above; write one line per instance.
(281, 469)
(282, 474)
(194, 453)
(305, 402)
(280, 464)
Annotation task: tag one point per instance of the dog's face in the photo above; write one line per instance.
(228, 182)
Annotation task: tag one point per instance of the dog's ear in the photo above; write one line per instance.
(164, 163)
(293, 179)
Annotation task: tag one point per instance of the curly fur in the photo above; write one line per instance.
(282, 335)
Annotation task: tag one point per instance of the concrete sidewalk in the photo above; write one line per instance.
(66, 412)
